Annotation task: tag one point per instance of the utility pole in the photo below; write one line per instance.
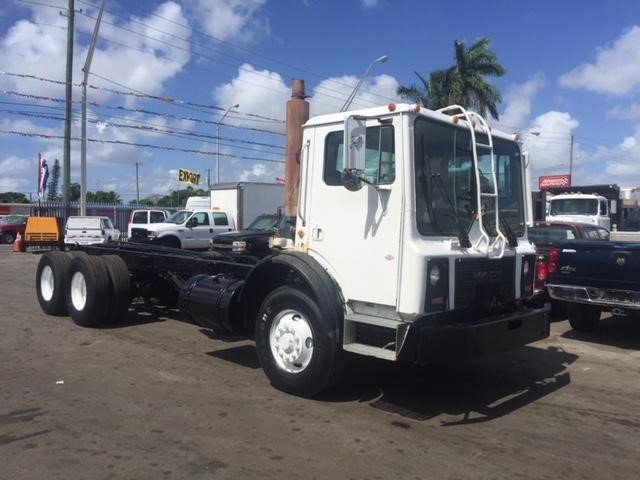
(67, 112)
(83, 145)
(137, 185)
(571, 158)
(209, 178)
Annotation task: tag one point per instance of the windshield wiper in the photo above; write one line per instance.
(463, 237)
(513, 241)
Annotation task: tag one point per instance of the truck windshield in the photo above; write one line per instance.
(446, 182)
(573, 206)
(264, 223)
(178, 217)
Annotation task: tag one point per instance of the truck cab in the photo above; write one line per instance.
(580, 208)
(420, 217)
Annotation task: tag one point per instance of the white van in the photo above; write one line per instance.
(90, 231)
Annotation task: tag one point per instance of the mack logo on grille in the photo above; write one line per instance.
(487, 275)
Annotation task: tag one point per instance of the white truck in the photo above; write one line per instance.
(246, 200)
(410, 245)
(185, 229)
(580, 208)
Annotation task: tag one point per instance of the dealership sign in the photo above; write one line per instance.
(554, 181)
(185, 176)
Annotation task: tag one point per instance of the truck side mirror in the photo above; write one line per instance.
(355, 141)
(192, 222)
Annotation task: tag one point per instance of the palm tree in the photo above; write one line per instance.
(464, 83)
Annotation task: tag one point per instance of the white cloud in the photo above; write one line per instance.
(18, 174)
(616, 69)
(631, 112)
(518, 102)
(330, 94)
(230, 20)
(549, 151)
(257, 91)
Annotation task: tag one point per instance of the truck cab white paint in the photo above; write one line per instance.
(369, 239)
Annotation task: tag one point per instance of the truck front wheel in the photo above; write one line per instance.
(583, 317)
(294, 344)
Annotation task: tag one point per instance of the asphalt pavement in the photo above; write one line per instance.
(158, 398)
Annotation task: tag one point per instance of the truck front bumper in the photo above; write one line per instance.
(427, 343)
(603, 297)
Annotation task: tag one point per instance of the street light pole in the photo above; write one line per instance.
(83, 144)
(218, 140)
(381, 59)
(571, 158)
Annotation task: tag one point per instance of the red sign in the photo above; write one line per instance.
(554, 181)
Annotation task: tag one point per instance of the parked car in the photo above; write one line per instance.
(11, 226)
(90, 230)
(595, 277)
(547, 235)
(254, 240)
(144, 218)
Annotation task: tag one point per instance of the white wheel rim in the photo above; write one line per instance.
(78, 291)
(291, 341)
(46, 283)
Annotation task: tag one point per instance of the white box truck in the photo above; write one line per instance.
(244, 201)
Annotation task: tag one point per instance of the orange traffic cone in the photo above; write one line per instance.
(17, 244)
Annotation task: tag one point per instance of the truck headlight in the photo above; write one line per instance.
(239, 246)
(434, 275)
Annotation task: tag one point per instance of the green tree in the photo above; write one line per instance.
(13, 197)
(462, 84)
(74, 192)
(54, 180)
(103, 197)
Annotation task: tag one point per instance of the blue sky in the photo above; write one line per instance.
(573, 68)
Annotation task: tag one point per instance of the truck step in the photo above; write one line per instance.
(369, 351)
(373, 336)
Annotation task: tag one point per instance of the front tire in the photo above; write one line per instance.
(582, 317)
(293, 343)
(172, 242)
(8, 237)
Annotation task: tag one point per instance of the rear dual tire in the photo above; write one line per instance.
(93, 290)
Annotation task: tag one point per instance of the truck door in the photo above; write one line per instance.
(201, 232)
(355, 235)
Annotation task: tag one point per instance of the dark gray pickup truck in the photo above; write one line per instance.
(596, 276)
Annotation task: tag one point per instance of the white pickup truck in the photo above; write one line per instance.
(185, 229)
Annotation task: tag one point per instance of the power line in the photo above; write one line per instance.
(135, 144)
(193, 136)
(139, 110)
(348, 87)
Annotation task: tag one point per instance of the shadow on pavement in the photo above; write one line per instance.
(475, 392)
(141, 313)
(616, 331)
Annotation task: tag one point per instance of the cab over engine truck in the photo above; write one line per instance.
(410, 245)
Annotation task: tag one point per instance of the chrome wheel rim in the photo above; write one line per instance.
(291, 341)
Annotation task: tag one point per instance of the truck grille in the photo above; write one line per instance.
(483, 284)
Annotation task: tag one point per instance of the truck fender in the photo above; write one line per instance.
(299, 271)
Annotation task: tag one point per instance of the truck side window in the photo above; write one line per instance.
(139, 217)
(220, 219)
(380, 161)
(603, 208)
(157, 217)
(202, 218)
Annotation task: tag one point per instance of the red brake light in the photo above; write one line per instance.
(552, 263)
